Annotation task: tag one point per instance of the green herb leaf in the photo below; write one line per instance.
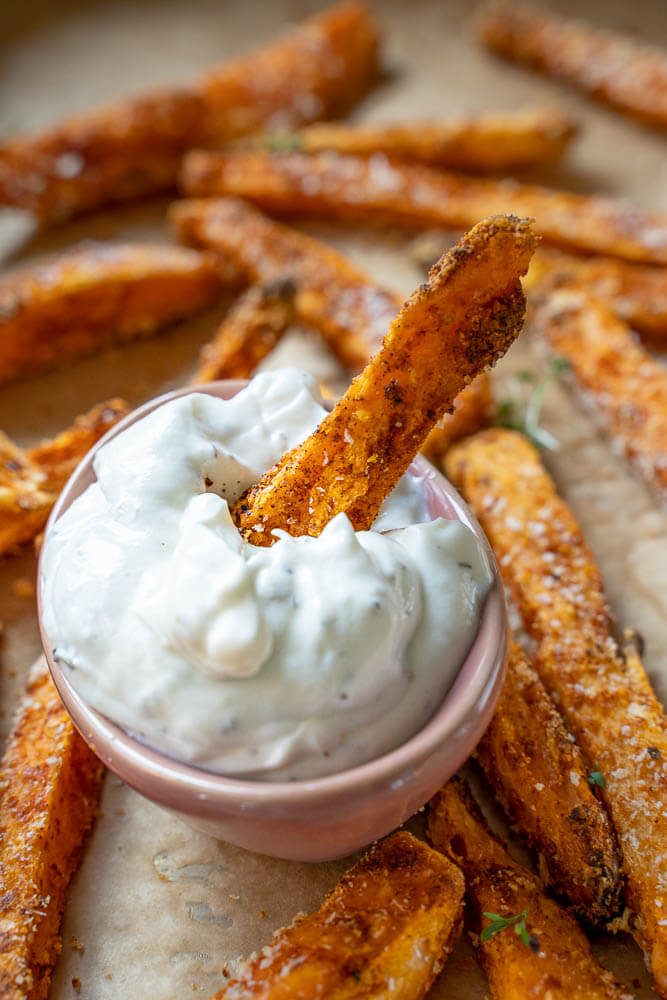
(521, 410)
(283, 142)
(518, 921)
(596, 778)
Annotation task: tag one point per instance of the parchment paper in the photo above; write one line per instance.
(157, 910)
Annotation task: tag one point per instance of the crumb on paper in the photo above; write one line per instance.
(234, 896)
(76, 945)
(23, 587)
(262, 914)
(76, 984)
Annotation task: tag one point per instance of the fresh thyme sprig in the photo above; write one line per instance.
(597, 778)
(521, 409)
(518, 921)
(282, 142)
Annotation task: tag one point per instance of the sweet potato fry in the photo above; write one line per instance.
(609, 706)
(610, 67)
(540, 777)
(482, 143)
(133, 148)
(636, 292)
(548, 957)
(349, 310)
(462, 320)
(624, 388)
(49, 786)
(363, 190)
(385, 930)
(30, 481)
(250, 330)
(94, 295)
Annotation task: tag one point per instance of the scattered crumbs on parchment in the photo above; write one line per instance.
(76, 945)
(76, 984)
(262, 914)
(234, 896)
(109, 975)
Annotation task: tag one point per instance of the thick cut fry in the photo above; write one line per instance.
(49, 786)
(350, 311)
(94, 295)
(617, 70)
(487, 142)
(362, 190)
(133, 148)
(636, 292)
(384, 931)
(609, 706)
(30, 481)
(250, 330)
(540, 777)
(462, 320)
(552, 960)
(624, 388)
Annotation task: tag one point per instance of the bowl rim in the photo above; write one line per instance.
(478, 680)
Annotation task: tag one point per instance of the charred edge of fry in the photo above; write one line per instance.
(251, 329)
(541, 778)
(473, 301)
(50, 785)
(393, 918)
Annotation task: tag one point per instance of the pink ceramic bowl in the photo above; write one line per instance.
(323, 818)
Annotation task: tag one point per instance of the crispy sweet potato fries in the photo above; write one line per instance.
(551, 957)
(608, 702)
(132, 148)
(30, 481)
(351, 312)
(482, 143)
(615, 69)
(250, 330)
(636, 292)
(50, 786)
(385, 931)
(624, 388)
(358, 189)
(540, 777)
(462, 320)
(94, 295)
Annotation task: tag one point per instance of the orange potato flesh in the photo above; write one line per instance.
(636, 292)
(610, 707)
(368, 190)
(95, 295)
(250, 330)
(50, 787)
(624, 388)
(384, 931)
(351, 312)
(462, 320)
(530, 759)
(30, 481)
(132, 148)
(481, 143)
(616, 70)
(562, 966)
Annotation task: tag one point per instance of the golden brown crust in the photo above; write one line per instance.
(562, 967)
(609, 706)
(613, 68)
(540, 776)
(385, 930)
(94, 295)
(355, 189)
(624, 388)
(482, 143)
(351, 312)
(49, 786)
(636, 292)
(461, 321)
(30, 481)
(250, 330)
(132, 148)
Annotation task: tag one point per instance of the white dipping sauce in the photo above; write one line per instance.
(279, 663)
